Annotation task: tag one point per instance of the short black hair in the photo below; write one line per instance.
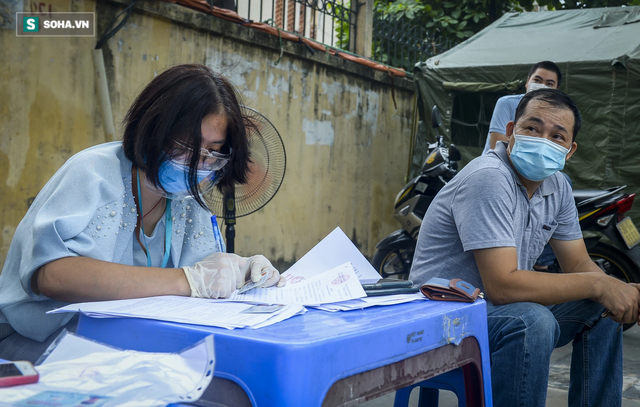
(171, 108)
(555, 98)
(549, 66)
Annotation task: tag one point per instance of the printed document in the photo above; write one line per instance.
(361, 303)
(332, 251)
(336, 285)
(198, 311)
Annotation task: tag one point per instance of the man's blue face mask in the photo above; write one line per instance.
(537, 158)
(173, 178)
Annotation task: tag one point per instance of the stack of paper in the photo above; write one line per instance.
(336, 285)
(188, 310)
(328, 277)
(371, 301)
(309, 282)
(333, 251)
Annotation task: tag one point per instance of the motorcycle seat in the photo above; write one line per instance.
(580, 195)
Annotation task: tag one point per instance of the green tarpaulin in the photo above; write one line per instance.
(598, 51)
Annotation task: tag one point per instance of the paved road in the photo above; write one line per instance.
(559, 378)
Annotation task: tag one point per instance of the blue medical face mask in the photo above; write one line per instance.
(173, 178)
(537, 158)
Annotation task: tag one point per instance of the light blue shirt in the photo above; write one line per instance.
(504, 112)
(155, 245)
(87, 209)
(485, 206)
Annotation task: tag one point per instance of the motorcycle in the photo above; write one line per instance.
(603, 212)
(394, 253)
(611, 238)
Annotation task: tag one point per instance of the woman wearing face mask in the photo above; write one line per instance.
(126, 219)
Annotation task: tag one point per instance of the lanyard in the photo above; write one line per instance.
(167, 230)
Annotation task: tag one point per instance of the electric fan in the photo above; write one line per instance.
(266, 172)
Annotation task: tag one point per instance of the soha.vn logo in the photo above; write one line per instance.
(31, 24)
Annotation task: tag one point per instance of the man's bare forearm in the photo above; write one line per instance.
(504, 284)
(584, 266)
(543, 288)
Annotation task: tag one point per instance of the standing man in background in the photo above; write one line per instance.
(544, 74)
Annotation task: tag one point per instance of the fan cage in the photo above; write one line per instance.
(267, 170)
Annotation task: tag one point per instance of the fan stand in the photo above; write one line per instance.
(230, 218)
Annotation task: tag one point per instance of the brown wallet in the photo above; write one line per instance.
(441, 289)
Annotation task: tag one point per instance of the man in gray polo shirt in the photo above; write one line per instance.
(489, 225)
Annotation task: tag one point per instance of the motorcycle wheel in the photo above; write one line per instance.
(393, 263)
(613, 262)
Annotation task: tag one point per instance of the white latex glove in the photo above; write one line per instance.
(219, 274)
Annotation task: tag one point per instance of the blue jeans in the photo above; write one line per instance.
(523, 335)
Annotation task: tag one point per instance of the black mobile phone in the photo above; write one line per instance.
(388, 283)
(391, 291)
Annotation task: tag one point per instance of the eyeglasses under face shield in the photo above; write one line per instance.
(174, 172)
(208, 160)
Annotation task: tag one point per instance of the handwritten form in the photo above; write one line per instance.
(335, 285)
(332, 251)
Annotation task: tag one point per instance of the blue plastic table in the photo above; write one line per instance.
(322, 358)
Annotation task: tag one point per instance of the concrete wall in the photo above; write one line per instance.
(347, 145)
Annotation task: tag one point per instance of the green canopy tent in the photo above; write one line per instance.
(598, 51)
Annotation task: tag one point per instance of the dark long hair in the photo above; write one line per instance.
(170, 108)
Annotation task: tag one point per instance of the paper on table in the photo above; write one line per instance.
(394, 299)
(286, 314)
(188, 310)
(371, 301)
(335, 249)
(335, 285)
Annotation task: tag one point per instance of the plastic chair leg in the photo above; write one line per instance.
(429, 390)
(402, 397)
(428, 397)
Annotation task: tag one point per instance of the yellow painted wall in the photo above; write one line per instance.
(48, 112)
(347, 146)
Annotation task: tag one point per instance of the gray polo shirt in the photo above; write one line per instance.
(486, 206)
